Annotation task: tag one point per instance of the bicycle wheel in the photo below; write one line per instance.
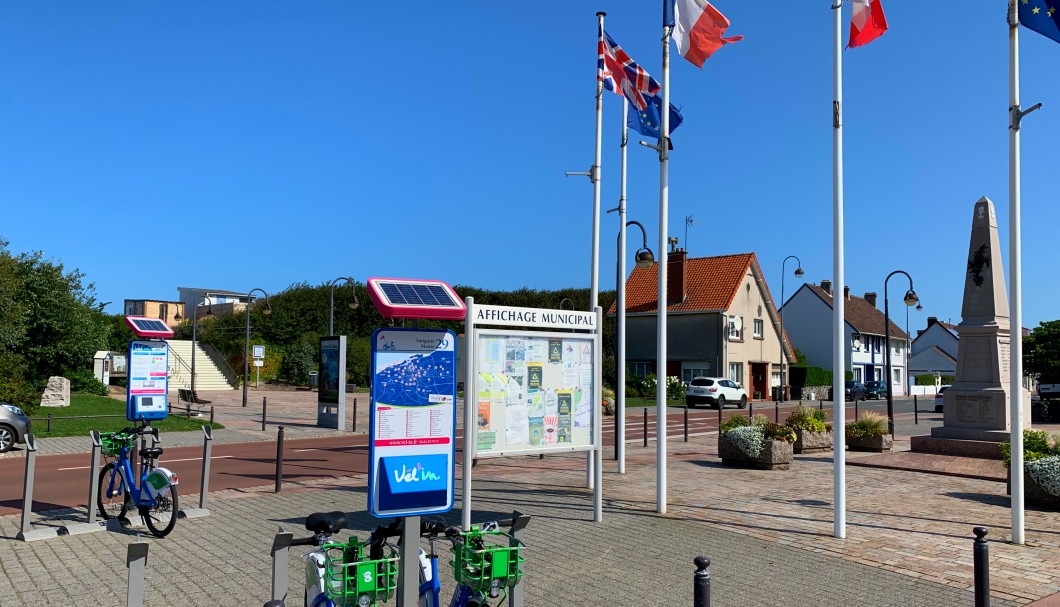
(113, 499)
(162, 516)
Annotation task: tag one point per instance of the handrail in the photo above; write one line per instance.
(216, 355)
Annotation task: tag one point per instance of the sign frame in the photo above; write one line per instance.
(331, 408)
(141, 393)
(259, 351)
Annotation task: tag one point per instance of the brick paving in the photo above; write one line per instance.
(769, 534)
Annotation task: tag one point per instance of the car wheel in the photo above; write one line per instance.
(7, 438)
(721, 403)
(743, 402)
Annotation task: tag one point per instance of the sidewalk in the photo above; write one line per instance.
(769, 535)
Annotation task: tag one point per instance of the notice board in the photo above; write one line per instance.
(534, 392)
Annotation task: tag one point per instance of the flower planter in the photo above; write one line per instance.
(807, 441)
(776, 455)
(877, 444)
(1033, 493)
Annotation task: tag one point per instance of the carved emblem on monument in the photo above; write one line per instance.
(979, 260)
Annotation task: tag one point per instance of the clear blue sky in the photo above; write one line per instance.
(235, 145)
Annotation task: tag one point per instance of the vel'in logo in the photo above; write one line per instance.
(414, 475)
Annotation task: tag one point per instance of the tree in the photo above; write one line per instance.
(1041, 352)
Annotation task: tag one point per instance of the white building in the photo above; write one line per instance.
(934, 350)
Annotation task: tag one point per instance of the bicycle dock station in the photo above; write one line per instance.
(92, 525)
(204, 485)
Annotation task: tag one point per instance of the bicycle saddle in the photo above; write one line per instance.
(153, 452)
(326, 522)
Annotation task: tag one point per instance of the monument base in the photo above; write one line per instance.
(981, 449)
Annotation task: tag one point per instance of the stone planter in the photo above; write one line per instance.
(776, 455)
(807, 441)
(877, 444)
(1032, 491)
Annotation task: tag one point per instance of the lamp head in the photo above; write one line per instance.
(267, 309)
(644, 258)
(799, 272)
(919, 307)
(353, 302)
(177, 317)
(209, 310)
(910, 298)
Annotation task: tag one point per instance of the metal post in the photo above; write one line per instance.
(751, 412)
(856, 411)
(211, 415)
(916, 411)
(776, 412)
(279, 459)
(27, 487)
(701, 582)
(981, 561)
(517, 595)
(49, 422)
(719, 419)
(409, 564)
(820, 405)
(645, 426)
(93, 483)
(136, 561)
(281, 552)
(354, 415)
(204, 481)
(686, 423)
(264, 411)
(246, 343)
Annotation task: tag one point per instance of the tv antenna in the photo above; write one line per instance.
(689, 222)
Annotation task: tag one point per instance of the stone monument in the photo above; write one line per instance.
(976, 406)
(56, 393)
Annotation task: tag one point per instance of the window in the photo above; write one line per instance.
(876, 344)
(736, 327)
(897, 376)
(639, 369)
(759, 328)
(857, 374)
(877, 374)
(696, 370)
(163, 312)
(775, 379)
(736, 372)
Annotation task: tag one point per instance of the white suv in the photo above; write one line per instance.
(715, 391)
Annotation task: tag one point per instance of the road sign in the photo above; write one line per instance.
(259, 352)
(259, 363)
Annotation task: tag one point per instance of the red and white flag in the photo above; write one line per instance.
(699, 30)
(867, 22)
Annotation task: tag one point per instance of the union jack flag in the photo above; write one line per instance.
(622, 75)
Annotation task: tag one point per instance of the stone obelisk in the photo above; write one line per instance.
(976, 407)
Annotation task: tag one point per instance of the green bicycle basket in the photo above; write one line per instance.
(113, 442)
(349, 574)
(485, 559)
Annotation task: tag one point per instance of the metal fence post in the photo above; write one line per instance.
(279, 459)
(701, 582)
(855, 408)
(981, 563)
(820, 405)
(281, 552)
(136, 561)
(49, 422)
(751, 413)
(211, 416)
(264, 411)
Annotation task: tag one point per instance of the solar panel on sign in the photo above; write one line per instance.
(417, 294)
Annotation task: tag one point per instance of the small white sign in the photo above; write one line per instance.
(259, 352)
(259, 363)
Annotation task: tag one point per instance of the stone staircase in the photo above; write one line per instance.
(209, 374)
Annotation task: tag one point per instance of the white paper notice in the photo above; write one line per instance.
(518, 428)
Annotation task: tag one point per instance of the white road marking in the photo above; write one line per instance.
(189, 459)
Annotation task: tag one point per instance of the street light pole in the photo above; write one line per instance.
(783, 336)
(644, 260)
(246, 343)
(910, 299)
(353, 304)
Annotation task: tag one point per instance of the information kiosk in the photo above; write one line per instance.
(147, 396)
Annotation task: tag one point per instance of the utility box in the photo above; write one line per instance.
(102, 364)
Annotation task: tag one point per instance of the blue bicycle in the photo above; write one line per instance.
(155, 497)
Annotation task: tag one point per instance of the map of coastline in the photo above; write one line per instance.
(410, 382)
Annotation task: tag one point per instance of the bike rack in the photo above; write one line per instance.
(26, 532)
(136, 561)
(93, 492)
(204, 485)
(281, 556)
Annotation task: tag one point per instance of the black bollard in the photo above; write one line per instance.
(981, 561)
(719, 419)
(751, 413)
(776, 412)
(645, 409)
(279, 459)
(354, 415)
(686, 423)
(820, 405)
(211, 416)
(916, 411)
(264, 412)
(701, 582)
(855, 408)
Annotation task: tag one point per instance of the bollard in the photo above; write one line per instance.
(751, 413)
(211, 416)
(916, 411)
(281, 551)
(354, 415)
(49, 422)
(93, 483)
(204, 481)
(645, 426)
(279, 459)
(820, 404)
(27, 488)
(686, 423)
(264, 411)
(981, 563)
(776, 412)
(719, 419)
(701, 582)
(136, 561)
(855, 408)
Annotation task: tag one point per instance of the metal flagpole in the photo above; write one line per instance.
(838, 280)
(620, 303)
(594, 175)
(1015, 315)
(664, 194)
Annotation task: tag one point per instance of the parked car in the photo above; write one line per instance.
(938, 399)
(715, 391)
(14, 426)
(854, 389)
(875, 389)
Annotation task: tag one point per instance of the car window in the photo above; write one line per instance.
(728, 383)
(699, 381)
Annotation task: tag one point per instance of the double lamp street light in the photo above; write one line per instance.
(194, 340)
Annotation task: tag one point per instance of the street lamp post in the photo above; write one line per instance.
(246, 344)
(910, 299)
(644, 260)
(783, 337)
(194, 340)
(909, 349)
(353, 303)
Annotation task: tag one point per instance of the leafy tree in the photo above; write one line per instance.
(1041, 352)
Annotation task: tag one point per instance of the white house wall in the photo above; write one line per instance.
(808, 323)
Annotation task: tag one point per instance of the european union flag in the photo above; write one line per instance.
(1041, 16)
(648, 122)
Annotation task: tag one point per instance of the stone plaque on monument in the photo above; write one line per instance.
(976, 407)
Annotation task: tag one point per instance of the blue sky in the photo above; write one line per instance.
(248, 144)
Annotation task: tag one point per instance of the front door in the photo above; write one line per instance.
(759, 381)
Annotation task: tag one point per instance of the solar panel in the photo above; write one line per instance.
(416, 294)
(427, 299)
(144, 326)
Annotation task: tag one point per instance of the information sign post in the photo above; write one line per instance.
(331, 383)
(148, 380)
(259, 362)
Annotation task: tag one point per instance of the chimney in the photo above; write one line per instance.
(826, 286)
(675, 276)
(932, 320)
(871, 298)
(846, 293)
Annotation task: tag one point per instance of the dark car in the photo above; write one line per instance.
(855, 389)
(875, 389)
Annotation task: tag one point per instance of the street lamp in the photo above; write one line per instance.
(783, 337)
(353, 303)
(910, 300)
(246, 345)
(194, 326)
(644, 260)
(566, 301)
(909, 349)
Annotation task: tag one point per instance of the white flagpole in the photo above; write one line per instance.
(839, 481)
(664, 199)
(594, 281)
(1016, 314)
(620, 305)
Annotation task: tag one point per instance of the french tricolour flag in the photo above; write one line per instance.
(867, 22)
(699, 30)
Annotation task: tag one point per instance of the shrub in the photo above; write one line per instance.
(1046, 472)
(675, 388)
(774, 431)
(1036, 445)
(870, 424)
(83, 381)
(807, 418)
(748, 439)
(739, 421)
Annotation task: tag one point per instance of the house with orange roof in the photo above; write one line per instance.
(808, 321)
(721, 322)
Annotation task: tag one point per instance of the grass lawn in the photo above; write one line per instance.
(87, 404)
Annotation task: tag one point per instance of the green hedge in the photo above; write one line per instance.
(929, 380)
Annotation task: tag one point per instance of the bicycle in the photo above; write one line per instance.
(156, 495)
(360, 574)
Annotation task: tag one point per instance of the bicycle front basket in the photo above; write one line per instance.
(113, 442)
(487, 559)
(349, 574)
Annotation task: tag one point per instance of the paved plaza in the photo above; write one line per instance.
(768, 533)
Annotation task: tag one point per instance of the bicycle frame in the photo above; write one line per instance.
(124, 467)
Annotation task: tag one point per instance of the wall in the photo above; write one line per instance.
(689, 337)
(808, 322)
